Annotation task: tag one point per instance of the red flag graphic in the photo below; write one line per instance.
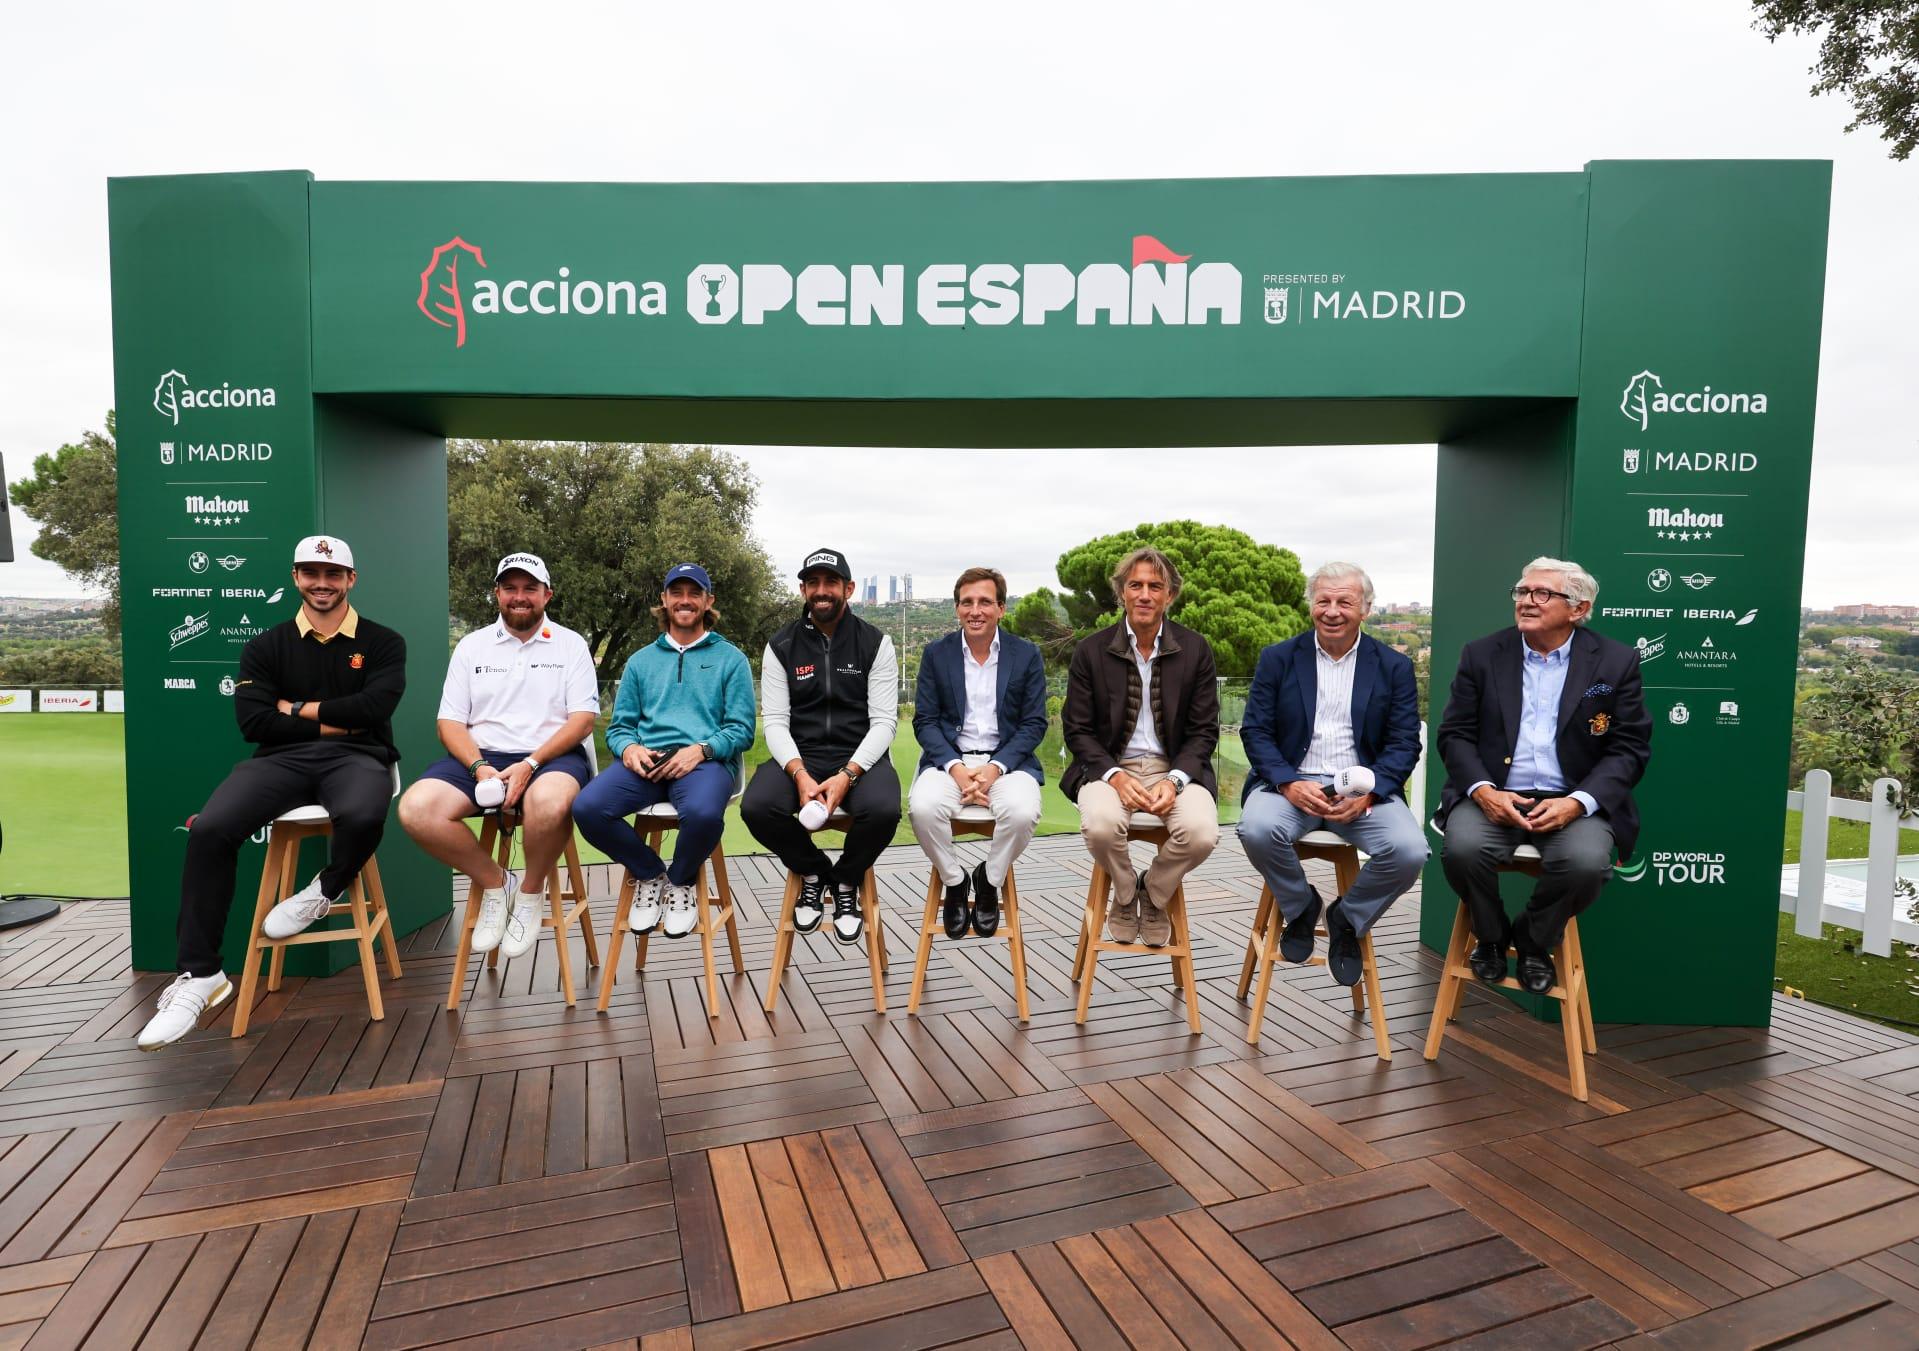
(446, 261)
(1147, 249)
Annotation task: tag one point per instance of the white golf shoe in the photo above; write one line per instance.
(298, 912)
(184, 1005)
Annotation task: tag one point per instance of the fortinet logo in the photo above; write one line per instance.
(175, 393)
(1645, 395)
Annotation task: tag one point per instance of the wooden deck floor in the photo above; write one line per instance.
(521, 1174)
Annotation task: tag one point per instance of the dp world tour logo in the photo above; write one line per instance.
(1629, 870)
(440, 293)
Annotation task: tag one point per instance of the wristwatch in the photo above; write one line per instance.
(852, 771)
(706, 751)
(533, 764)
(294, 711)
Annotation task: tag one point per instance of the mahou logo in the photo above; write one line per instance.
(440, 293)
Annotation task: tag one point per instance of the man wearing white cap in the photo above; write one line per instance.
(520, 696)
(316, 696)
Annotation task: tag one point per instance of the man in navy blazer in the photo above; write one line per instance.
(1544, 736)
(979, 711)
(1330, 701)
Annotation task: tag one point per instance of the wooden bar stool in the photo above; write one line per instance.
(653, 822)
(498, 829)
(870, 917)
(971, 821)
(1569, 960)
(365, 904)
(1145, 829)
(1262, 945)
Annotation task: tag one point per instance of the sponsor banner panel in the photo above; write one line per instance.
(16, 701)
(114, 701)
(69, 701)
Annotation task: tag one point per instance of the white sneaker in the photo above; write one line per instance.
(493, 904)
(682, 911)
(183, 1005)
(297, 912)
(644, 917)
(522, 925)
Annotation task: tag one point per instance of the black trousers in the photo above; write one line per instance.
(352, 784)
(1574, 864)
(771, 799)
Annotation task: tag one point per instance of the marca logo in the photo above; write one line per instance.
(217, 510)
(1684, 524)
(175, 394)
(189, 628)
(180, 683)
(1645, 395)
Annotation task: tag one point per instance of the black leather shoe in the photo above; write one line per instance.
(1296, 939)
(1342, 946)
(1536, 974)
(985, 904)
(956, 914)
(1489, 961)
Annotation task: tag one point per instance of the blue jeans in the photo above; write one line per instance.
(601, 809)
(1395, 847)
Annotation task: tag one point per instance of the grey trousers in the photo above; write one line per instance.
(1574, 864)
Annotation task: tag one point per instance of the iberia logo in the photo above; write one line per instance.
(442, 275)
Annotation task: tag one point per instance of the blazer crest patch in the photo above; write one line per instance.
(1601, 724)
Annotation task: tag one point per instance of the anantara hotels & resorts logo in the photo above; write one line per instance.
(1159, 285)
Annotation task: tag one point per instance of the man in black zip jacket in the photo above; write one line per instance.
(829, 701)
(316, 696)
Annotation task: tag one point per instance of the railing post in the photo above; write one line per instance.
(1809, 912)
(1882, 864)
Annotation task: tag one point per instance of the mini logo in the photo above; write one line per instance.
(1680, 715)
(1649, 648)
(357, 660)
(231, 562)
(189, 628)
(1659, 579)
(1698, 581)
(197, 561)
(227, 686)
(1601, 723)
(1276, 303)
(1632, 459)
(1745, 619)
(180, 683)
(166, 452)
(440, 283)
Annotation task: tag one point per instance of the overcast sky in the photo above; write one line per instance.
(976, 91)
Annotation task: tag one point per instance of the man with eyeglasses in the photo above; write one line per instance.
(1544, 736)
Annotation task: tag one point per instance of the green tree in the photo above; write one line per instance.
(610, 519)
(1868, 51)
(1240, 594)
(1860, 722)
(73, 495)
(1039, 618)
(61, 661)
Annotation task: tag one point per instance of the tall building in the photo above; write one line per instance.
(907, 592)
(892, 589)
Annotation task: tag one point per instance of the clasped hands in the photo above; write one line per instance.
(659, 767)
(1314, 800)
(1537, 815)
(975, 785)
(1135, 796)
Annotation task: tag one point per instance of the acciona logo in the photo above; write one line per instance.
(175, 394)
(1646, 395)
(1160, 286)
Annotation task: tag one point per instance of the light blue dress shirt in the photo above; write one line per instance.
(1536, 753)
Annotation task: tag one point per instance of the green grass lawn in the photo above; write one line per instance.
(63, 804)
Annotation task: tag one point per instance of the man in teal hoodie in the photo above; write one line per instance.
(682, 719)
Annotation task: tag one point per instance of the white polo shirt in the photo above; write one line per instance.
(513, 695)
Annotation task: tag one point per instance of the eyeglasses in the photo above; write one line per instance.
(1539, 594)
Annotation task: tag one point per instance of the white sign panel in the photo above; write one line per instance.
(16, 701)
(69, 701)
(116, 702)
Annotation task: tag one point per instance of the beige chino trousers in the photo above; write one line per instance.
(1192, 830)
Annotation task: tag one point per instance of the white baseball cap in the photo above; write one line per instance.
(323, 549)
(531, 564)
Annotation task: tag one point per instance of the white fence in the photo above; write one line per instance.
(1813, 895)
(83, 699)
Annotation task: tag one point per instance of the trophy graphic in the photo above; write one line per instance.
(714, 285)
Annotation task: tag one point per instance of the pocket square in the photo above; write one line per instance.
(1597, 690)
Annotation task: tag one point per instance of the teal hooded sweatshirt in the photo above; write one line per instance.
(668, 698)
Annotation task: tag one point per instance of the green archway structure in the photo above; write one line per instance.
(1618, 364)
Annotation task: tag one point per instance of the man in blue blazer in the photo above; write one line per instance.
(979, 711)
(1330, 700)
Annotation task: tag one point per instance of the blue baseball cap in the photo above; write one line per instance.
(689, 572)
